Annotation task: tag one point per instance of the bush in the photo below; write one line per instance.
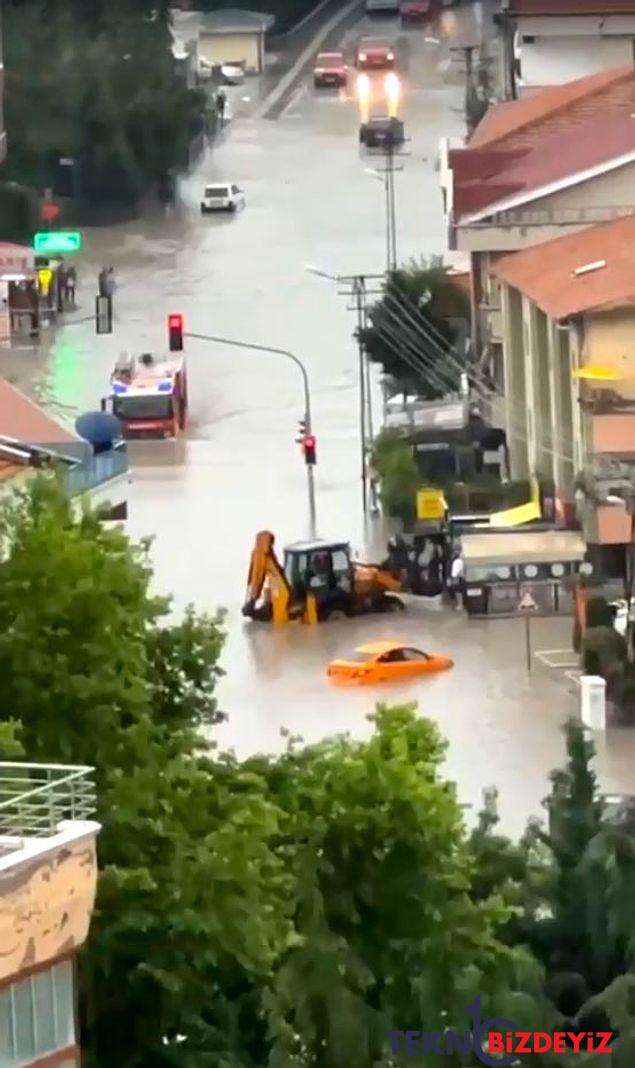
(398, 476)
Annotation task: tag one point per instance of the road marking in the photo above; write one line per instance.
(280, 89)
(557, 658)
(294, 100)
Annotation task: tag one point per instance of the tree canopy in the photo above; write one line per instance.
(94, 82)
(413, 327)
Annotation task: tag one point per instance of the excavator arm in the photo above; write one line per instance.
(268, 593)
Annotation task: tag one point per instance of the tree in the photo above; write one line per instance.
(192, 901)
(394, 463)
(413, 326)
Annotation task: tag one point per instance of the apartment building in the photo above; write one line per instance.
(48, 879)
(548, 42)
(568, 328)
(535, 169)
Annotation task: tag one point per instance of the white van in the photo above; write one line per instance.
(380, 6)
(224, 196)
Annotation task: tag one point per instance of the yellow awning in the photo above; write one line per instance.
(522, 513)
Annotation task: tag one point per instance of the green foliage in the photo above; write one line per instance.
(399, 478)
(411, 321)
(95, 82)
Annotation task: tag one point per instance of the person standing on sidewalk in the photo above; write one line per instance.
(221, 104)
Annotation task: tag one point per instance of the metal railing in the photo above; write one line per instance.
(96, 470)
(35, 798)
(551, 217)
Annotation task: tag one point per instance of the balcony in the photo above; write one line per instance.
(48, 863)
(95, 471)
(36, 798)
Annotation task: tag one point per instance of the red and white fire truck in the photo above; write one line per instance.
(149, 396)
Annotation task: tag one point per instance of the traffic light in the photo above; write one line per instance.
(175, 332)
(309, 449)
(307, 441)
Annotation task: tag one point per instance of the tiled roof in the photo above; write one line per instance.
(521, 121)
(571, 7)
(525, 145)
(546, 273)
(22, 420)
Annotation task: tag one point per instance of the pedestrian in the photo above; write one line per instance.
(110, 282)
(457, 580)
(221, 102)
(102, 281)
(71, 284)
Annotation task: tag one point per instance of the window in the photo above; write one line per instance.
(38, 1015)
(216, 191)
(415, 654)
(153, 406)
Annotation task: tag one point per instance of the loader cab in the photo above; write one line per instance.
(323, 568)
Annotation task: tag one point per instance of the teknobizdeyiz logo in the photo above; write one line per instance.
(449, 1041)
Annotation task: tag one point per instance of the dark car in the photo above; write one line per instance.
(375, 55)
(330, 69)
(382, 131)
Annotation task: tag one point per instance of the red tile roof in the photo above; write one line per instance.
(22, 420)
(521, 121)
(524, 145)
(545, 272)
(571, 7)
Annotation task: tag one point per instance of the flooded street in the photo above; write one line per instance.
(308, 201)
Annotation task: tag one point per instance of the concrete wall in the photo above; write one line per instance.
(46, 900)
(555, 60)
(225, 48)
(609, 341)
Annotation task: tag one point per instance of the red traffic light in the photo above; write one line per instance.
(175, 332)
(308, 444)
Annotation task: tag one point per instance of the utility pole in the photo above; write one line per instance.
(355, 287)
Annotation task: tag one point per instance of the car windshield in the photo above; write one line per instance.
(216, 190)
(154, 406)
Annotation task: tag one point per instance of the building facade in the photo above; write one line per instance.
(568, 340)
(48, 880)
(549, 42)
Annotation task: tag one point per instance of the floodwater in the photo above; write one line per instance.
(309, 201)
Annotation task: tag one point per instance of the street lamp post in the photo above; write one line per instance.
(307, 401)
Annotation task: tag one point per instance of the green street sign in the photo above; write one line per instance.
(57, 241)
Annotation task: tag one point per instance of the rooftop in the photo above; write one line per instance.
(235, 20)
(590, 270)
(570, 7)
(22, 419)
(36, 803)
(555, 138)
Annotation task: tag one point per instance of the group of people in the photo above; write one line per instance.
(425, 569)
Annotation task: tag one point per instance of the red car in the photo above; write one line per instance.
(330, 69)
(415, 10)
(375, 55)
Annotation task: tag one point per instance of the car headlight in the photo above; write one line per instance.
(362, 57)
(390, 55)
(318, 70)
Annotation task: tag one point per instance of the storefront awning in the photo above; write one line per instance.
(537, 547)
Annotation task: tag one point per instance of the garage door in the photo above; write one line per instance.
(225, 48)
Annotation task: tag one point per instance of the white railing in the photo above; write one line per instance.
(552, 217)
(35, 798)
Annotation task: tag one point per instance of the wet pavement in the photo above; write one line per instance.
(239, 470)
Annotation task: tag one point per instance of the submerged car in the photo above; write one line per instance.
(382, 131)
(385, 661)
(224, 196)
(330, 69)
(415, 10)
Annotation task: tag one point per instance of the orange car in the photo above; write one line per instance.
(383, 661)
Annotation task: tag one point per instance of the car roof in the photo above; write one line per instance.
(377, 648)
